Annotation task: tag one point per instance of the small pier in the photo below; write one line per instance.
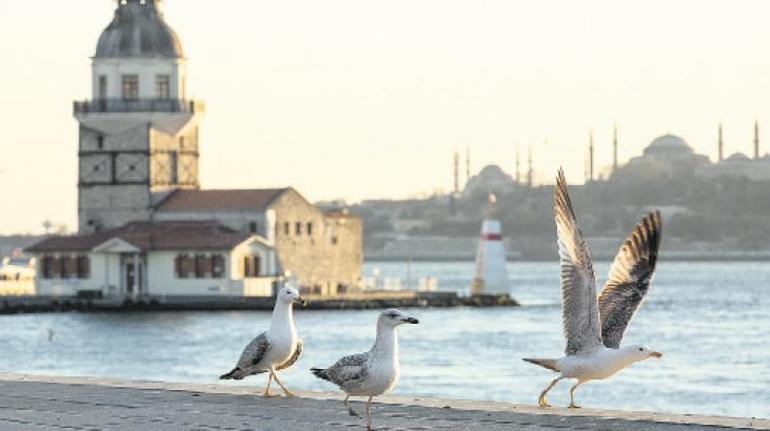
(37, 403)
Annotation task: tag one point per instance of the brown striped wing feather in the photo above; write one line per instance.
(629, 279)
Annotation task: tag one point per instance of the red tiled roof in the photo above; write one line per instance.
(234, 199)
(170, 235)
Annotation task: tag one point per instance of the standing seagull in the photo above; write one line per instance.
(274, 350)
(594, 329)
(372, 373)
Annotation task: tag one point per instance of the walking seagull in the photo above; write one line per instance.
(274, 350)
(594, 329)
(372, 373)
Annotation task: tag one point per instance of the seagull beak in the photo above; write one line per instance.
(411, 320)
(301, 300)
(656, 355)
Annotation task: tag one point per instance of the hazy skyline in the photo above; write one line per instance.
(354, 100)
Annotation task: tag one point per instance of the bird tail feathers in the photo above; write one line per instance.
(551, 364)
(320, 373)
(234, 374)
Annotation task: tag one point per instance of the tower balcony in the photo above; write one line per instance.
(110, 106)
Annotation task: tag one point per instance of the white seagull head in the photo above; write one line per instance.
(394, 317)
(640, 353)
(290, 295)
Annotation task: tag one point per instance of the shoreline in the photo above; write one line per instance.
(39, 402)
(352, 301)
(550, 259)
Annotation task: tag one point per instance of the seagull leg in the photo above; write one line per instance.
(351, 412)
(541, 400)
(285, 391)
(266, 394)
(369, 414)
(572, 404)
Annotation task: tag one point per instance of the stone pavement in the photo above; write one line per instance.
(37, 403)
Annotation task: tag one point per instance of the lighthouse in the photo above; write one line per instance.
(491, 277)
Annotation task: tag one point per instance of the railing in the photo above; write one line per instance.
(101, 106)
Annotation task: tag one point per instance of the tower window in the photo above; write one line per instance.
(298, 228)
(174, 174)
(130, 87)
(310, 228)
(100, 142)
(102, 87)
(162, 87)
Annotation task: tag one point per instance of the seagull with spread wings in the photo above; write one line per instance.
(276, 349)
(593, 327)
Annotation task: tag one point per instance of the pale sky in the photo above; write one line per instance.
(362, 99)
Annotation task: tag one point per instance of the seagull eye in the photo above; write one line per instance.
(641, 349)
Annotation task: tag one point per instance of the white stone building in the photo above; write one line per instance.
(156, 260)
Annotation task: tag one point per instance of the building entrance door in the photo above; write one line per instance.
(134, 277)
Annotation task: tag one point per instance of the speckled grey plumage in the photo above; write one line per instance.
(348, 372)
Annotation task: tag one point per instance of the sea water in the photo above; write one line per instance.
(710, 320)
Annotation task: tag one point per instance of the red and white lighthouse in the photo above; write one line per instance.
(491, 277)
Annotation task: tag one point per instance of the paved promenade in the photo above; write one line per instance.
(35, 403)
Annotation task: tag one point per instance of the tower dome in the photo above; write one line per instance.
(138, 30)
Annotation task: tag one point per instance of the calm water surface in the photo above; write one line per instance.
(711, 320)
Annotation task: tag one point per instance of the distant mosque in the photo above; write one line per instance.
(669, 156)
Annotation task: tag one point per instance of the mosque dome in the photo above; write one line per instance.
(490, 179)
(138, 30)
(668, 144)
(738, 157)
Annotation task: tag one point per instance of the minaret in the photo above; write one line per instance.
(529, 171)
(467, 164)
(756, 139)
(720, 145)
(457, 172)
(518, 165)
(614, 147)
(138, 136)
(590, 157)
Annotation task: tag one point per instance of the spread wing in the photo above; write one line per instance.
(294, 357)
(629, 279)
(579, 309)
(349, 371)
(254, 352)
